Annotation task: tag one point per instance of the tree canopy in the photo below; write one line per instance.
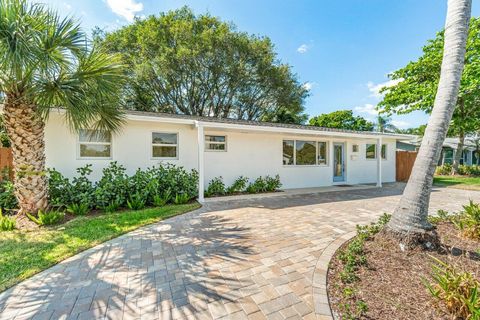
(342, 119)
(417, 84)
(179, 62)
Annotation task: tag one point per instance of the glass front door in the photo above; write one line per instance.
(338, 162)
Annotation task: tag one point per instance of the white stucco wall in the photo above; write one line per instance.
(250, 154)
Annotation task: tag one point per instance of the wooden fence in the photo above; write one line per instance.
(6, 163)
(405, 161)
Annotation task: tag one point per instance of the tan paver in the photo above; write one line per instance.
(255, 259)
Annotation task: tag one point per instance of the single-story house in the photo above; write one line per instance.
(470, 155)
(303, 156)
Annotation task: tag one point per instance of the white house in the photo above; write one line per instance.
(303, 156)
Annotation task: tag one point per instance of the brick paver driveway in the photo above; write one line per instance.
(237, 260)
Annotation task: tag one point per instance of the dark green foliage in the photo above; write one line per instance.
(112, 207)
(238, 185)
(136, 201)
(6, 223)
(341, 119)
(78, 209)
(259, 185)
(272, 183)
(8, 200)
(112, 187)
(162, 199)
(216, 187)
(181, 198)
(47, 218)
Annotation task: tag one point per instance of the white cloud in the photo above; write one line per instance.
(125, 8)
(303, 48)
(368, 109)
(375, 88)
(401, 124)
(67, 5)
(308, 85)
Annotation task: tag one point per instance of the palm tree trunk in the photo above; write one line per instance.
(26, 129)
(409, 223)
(458, 153)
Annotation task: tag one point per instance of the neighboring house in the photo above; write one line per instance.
(303, 156)
(450, 145)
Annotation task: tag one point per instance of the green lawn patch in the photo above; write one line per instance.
(23, 254)
(459, 182)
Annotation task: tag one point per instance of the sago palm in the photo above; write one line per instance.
(46, 63)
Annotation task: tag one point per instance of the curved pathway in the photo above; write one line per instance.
(246, 259)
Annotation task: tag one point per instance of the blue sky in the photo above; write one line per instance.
(342, 50)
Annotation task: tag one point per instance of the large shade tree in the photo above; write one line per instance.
(417, 83)
(409, 221)
(179, 62)
(46, 63)
(342, 119)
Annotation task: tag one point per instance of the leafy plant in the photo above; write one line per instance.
(136, 202)
(238, 185)
(444, 170)
(458, 291)
(468, 221)
(160, 200)
(6, 223)
(181, 198)
(112, 207)
(47, 218)
(216, 187)
(78, 209)
(272, 183)
(112, 187)
(7, 196)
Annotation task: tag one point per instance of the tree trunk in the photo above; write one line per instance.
(458, 153)
(409, 223)
(26, 129)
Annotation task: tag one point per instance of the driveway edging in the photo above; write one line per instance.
(319, 285)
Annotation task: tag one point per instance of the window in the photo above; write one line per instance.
(384, 151)
(355, 148)
(164, 145)
(371, 151)
(288, 152)
(304, 153)
(95, 144)
(322, 153)
(215, 143)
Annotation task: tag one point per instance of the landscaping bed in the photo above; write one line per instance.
(24, 253)
(387, 282)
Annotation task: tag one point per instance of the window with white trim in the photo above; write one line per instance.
(384, 151)
(304, 153)
(371, 151)
(215, 143)
(164, 145)
(94, 144)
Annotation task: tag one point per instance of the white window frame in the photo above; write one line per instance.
(376, 151)
(386, 151)
(177, 145)
(327, 148)
(215, 142)
(79, 143)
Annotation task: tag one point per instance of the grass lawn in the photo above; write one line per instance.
(468, 183)
(22, 254)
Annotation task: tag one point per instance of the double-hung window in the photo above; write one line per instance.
(95, 144)
(304, 153)
(371, 151)
(164, 145)
(215, 143)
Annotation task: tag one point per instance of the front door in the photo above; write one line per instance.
(338, 162)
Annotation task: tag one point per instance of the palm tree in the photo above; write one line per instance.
(409, 222)
(384, 124)
(46, 63)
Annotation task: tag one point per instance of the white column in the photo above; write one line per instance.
(379, 162)
(201, 161)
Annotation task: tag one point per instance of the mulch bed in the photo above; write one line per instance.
(391, 283)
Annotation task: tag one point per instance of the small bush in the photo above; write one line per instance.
(112, 207)
(159, 200)
(6, 223)
(47, 218)
(468, 220)
(136, 202)
(457, 291)
(78, 209)
(238, 185)
(112, 187)
(216, 187)
(467, 170)
(8, 200)
(273, 183)
(181, 198)
(444, 170)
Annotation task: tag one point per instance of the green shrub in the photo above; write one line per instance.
(176, 179)
(6, 223)
(159, 200)
(468, 220)
(112, 187)
(112, 207)
(78, 209)
(458, 291)
(47, 218)
(181, 198)
(216, 187)
(273, 183)
(444, 170)
(59, 189)
(8, 200)
(468, 170)
(238, 185)
(136, 202)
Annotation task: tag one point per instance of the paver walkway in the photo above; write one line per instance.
(250, 259)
